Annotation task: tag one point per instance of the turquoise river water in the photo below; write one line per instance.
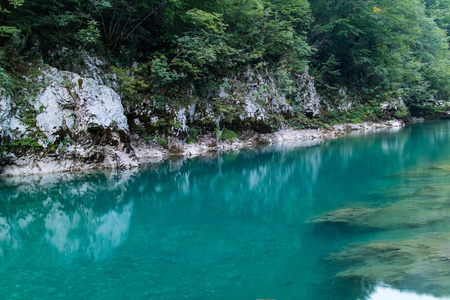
(243, 225)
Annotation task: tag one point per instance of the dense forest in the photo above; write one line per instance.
(373, 51)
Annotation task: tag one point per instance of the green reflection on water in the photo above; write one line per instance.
(234, 226)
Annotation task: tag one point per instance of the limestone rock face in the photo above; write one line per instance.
(87, 65)
(257, 95)
(249, 99)
(4, 104)
(445, 106)
(79, 122)
(308, 96)
(84, 119)
(252, 97)
(100, 106)
(5, 108)
(393, 105)
(77, 105)
(10, 125)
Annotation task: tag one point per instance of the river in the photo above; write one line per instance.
(351, 218)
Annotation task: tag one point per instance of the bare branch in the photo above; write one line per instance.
(145, 18)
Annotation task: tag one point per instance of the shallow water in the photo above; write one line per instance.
(235, 226)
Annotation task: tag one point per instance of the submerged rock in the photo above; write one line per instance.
(419, 259)
(401, 214)
(407, 206)
(421, 263)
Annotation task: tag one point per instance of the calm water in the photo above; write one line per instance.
(221, 227)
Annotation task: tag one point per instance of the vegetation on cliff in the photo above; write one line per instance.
(366, 58)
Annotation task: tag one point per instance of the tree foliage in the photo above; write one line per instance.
(9, 30)
(382, 48)
(391, 47)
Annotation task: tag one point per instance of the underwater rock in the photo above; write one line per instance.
(406, 206)
(352, 216)
(410, 259)
(400, 214)
(421, 263)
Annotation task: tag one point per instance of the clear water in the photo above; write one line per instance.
(220, 227)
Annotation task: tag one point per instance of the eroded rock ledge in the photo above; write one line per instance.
(139, 153)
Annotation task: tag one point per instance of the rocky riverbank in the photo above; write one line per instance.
(140, 152)
(72, 122)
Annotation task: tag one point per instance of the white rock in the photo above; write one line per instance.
(192, 111)
(182, 119)
(10, 125)
(393, 104)
(93, 67)
(101, 106)
(50, 105)
(308, 96)
(14, 128)
(5, 108)
(75, 103)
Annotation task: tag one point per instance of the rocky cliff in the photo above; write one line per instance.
(73, 122)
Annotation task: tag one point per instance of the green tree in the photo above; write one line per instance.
(390, 46)
(9, 30)
(50, 23)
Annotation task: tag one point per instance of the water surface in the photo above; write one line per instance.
(238, 226)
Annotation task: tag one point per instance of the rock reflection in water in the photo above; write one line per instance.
(84, 230)
(89, 217)
(268, 179)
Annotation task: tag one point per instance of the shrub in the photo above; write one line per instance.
(162, 142)
(228, 134)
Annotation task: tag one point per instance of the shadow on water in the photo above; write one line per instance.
(281, 222)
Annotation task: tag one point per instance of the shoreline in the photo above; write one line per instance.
(299, 137)
(76, 159)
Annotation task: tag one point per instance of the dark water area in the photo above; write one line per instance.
(331, 221)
